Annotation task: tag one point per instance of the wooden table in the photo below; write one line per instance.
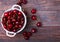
(48, 12)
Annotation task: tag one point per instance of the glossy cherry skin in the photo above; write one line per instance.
(19, 14)
(9, 21)
(6, 14)
(25, 33)
(33, 30)
(39, 24)
(10, 25)
(20, 26)
(15, 11)
(33, 11)
(33, 17)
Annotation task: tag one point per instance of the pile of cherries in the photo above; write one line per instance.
(13, 20)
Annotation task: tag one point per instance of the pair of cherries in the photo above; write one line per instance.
(13, 20)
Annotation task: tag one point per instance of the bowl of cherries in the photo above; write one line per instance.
(13, 20)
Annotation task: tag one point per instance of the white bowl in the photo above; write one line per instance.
(9, 33)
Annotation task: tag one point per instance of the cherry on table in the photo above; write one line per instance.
(34, 17)
(33, 11)
(24, 33)
(39, 24)
(29, 34)
(33, 30)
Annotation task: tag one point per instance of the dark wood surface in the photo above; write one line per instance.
(48, 12)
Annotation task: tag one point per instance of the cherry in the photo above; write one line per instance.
(26, 37)
(19, 17)
(33, 17)
(22, 22)
(4, 26)
(9, 17)
(19, 14)
(4, 19)
(16, 26)
(19, 2)
(17, 22)
(39, 24)
(25, 33)
(33, 11)
(14, 30)
(13, 20)
(29, 34)
(9, 21)
(15, 11)
(24, 1)
(10, 25)
(10, 13)
(20, 26)
(33, 30)
(6, 14)
(13, 23)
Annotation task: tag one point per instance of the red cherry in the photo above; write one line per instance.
(24, 1)
(6, 14)
(9, 21)
(26, 37)
(14, 30)
(25, 33)
(5, 26)
(33, 30)
(39, 24)
(22, 22)
(10, 13)
(13, 20)
(20, 26)
(33, 11)
(13, 23)
(16, 26)
(9, 17)
(10, 25)
(29, 34)
(34, 17)
(4, 19)
(19, 17)
(19, 2)
(17, 22)
(15, 11)
(19, 14)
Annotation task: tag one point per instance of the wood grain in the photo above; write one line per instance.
(48, 12)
